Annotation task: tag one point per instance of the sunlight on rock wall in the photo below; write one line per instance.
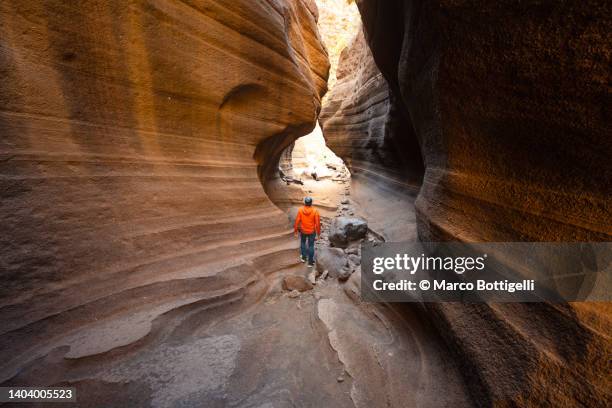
(338, 23)
(310, 156)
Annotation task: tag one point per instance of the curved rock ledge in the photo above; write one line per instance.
(128, 165)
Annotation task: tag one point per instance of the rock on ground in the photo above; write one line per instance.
(346, 229)
(345, 273)
(331, 259)
(352, 287)
(295, 282)
(354, 259)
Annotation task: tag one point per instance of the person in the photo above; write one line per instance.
(308, 223)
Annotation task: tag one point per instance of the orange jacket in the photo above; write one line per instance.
(309, 218)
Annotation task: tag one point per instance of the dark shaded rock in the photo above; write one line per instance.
(364, 123)
(500, 108)
(497, 163)
(346, 229)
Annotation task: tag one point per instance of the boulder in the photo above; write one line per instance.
(332, 260)
(295, 282)
(346, 229)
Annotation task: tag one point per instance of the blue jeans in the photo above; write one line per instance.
(307, 252)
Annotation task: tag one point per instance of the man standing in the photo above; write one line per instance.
(308, 224)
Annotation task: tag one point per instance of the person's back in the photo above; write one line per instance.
(309, 220)
(308, 223)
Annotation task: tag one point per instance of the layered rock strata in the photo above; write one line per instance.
(364, 123)
(133, 138)
(507, 105)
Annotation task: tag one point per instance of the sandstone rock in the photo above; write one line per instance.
(346, 229)
(364, 123)
(331, 260)
(352, 250)
(494, 165)
(506, 156)
(370, 129)
(295, 282)
(292, 214)
(354, 259)
(344, 274)
(352, 287)
(294, 293)
(134, 136)
(312, 277)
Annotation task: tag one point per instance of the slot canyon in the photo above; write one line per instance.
(148, 180)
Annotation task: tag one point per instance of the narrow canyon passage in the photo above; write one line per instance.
(349, 352)
(152, 157)
(156, 259)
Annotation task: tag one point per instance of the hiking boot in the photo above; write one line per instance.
(302, 259)
(310, 265)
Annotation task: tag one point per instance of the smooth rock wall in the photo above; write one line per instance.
(133, 138)
(365, 124)
(507, 102)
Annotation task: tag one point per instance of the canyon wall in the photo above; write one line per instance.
(366, 125)
(362, 119)
(508, 103)
(133, 138)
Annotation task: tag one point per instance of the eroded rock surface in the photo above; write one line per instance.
(133, 138)
(504, 103)
(366, 125)
(507, 117)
